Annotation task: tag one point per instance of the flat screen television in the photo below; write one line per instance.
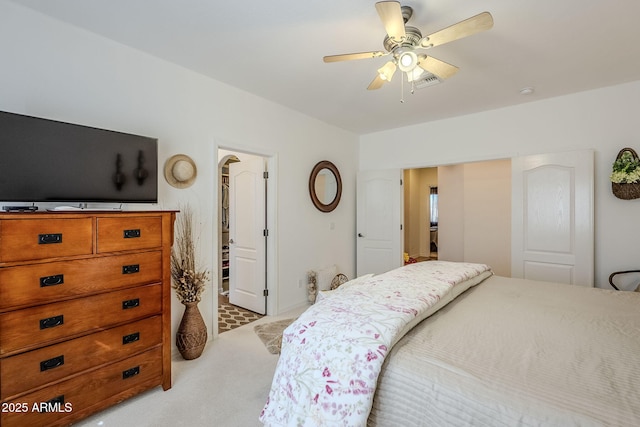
(45, 160)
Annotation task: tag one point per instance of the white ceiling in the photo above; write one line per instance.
(274, 49)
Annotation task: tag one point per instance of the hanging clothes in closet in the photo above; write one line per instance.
(225, 205)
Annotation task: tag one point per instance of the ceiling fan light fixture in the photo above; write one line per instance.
(415, 74)
(407, 61)
(387, 70)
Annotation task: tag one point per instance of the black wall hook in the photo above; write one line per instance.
(140, 172)
(119, 178)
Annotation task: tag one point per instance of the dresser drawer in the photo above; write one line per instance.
(45, 365)
(41, 283)
(30, 239)
(129, 233)
(109, 384)
(31, 327)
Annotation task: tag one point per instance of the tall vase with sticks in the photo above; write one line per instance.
(189, 282)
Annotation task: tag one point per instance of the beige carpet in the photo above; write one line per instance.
(271, 334)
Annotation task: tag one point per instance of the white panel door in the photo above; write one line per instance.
(552, 217)
(379, 223)
(246, 234)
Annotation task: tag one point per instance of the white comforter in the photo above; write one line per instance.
(332, 354)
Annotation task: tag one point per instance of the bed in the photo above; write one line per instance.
(451, 344)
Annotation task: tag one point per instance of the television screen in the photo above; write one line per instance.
(50, 161)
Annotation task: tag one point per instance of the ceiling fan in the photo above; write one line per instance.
(405, 44)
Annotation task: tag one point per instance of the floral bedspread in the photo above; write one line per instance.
(332, 354)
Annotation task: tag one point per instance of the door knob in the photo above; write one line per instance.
(360, 235)
(231, 241)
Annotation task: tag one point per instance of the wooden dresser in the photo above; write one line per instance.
(85, 312)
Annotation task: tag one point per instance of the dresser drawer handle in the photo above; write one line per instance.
(132, 303)
(52, 322)
(55, 404)
(45, 239)
(131, 269)
(132, 234)
(45, 365)
(58, 279)
(128, 339)
(130, 372)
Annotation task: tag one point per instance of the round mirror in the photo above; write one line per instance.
(325, 186)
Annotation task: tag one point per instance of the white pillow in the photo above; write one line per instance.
(323, 295)
(324, 276)
(355, 281)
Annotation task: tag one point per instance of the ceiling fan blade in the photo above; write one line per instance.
(470, 26)
(440, 68)
(351, 56)
(376, 83)
(391, 15)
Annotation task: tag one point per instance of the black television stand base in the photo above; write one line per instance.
(20, 208)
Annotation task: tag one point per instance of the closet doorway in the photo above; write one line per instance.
(420, 214)
(474, 215)
(243, 223)
(474, 212)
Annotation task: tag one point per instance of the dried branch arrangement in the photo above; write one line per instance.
(188, 279)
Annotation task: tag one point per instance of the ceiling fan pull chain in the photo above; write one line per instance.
(401, 90)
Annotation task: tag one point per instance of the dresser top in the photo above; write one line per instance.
(82, 213)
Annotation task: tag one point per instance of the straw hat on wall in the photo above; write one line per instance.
(180, 171)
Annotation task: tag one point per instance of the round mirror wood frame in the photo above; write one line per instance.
(325, 164)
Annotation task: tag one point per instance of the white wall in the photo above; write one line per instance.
(487, 225)
(52, 70)
(451, 213)
(604, 120)
(475, 214)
